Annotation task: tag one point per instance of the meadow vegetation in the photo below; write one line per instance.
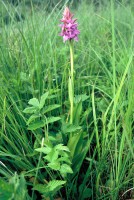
(36, 161)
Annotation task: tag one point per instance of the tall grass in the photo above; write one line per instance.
(33, 60)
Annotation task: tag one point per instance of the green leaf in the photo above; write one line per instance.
(51, 188)
(30, 110)
(52, 138)
(65, 169)
(36, 125)
(73, 143)
(20, 193)
(32, 118)
(55, 184)
(52, 119)
(77, 112)
(81, 97)
(64, 154)
(45, 150)
(52, 156)
(14, 189)
(65, 160)
(85, 192)
(43, 99)
(70, 128)
(5, 190)
(50, 108)
(41, 188)
(62, 148)
(54, 165)
(34, 102)
(80, 153)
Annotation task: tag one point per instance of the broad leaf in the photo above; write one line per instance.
(30, 110)
(14, 189)
(80, 153)
(51, 188)
(85, 192)
(64, 154)
(34, 102)
(62, 148)
(65, 160)
(43, 99)
(73, 143)
(70, 128)
(5, 190)
(81, 97)
(55, 184)
(52, 119)
(77, 112)
(65, 169)
(36, 125)
(52, 156)
(44, 150)
(54, 165)
(20, 193)
(50, 108)
(32, 118)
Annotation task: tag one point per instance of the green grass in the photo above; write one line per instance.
(34, 60)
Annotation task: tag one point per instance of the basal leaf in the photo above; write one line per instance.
(77, 112)
(74, 143)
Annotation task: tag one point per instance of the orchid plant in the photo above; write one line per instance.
(63, 158)
(76, 142)
(70, 32)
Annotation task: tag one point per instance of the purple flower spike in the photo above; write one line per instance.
(69, 29)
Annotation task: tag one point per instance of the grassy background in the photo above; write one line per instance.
(33, 59)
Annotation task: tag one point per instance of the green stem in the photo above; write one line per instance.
(114, 89)
(38, 166)
(71, 83)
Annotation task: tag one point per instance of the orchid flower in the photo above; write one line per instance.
(69, 29)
